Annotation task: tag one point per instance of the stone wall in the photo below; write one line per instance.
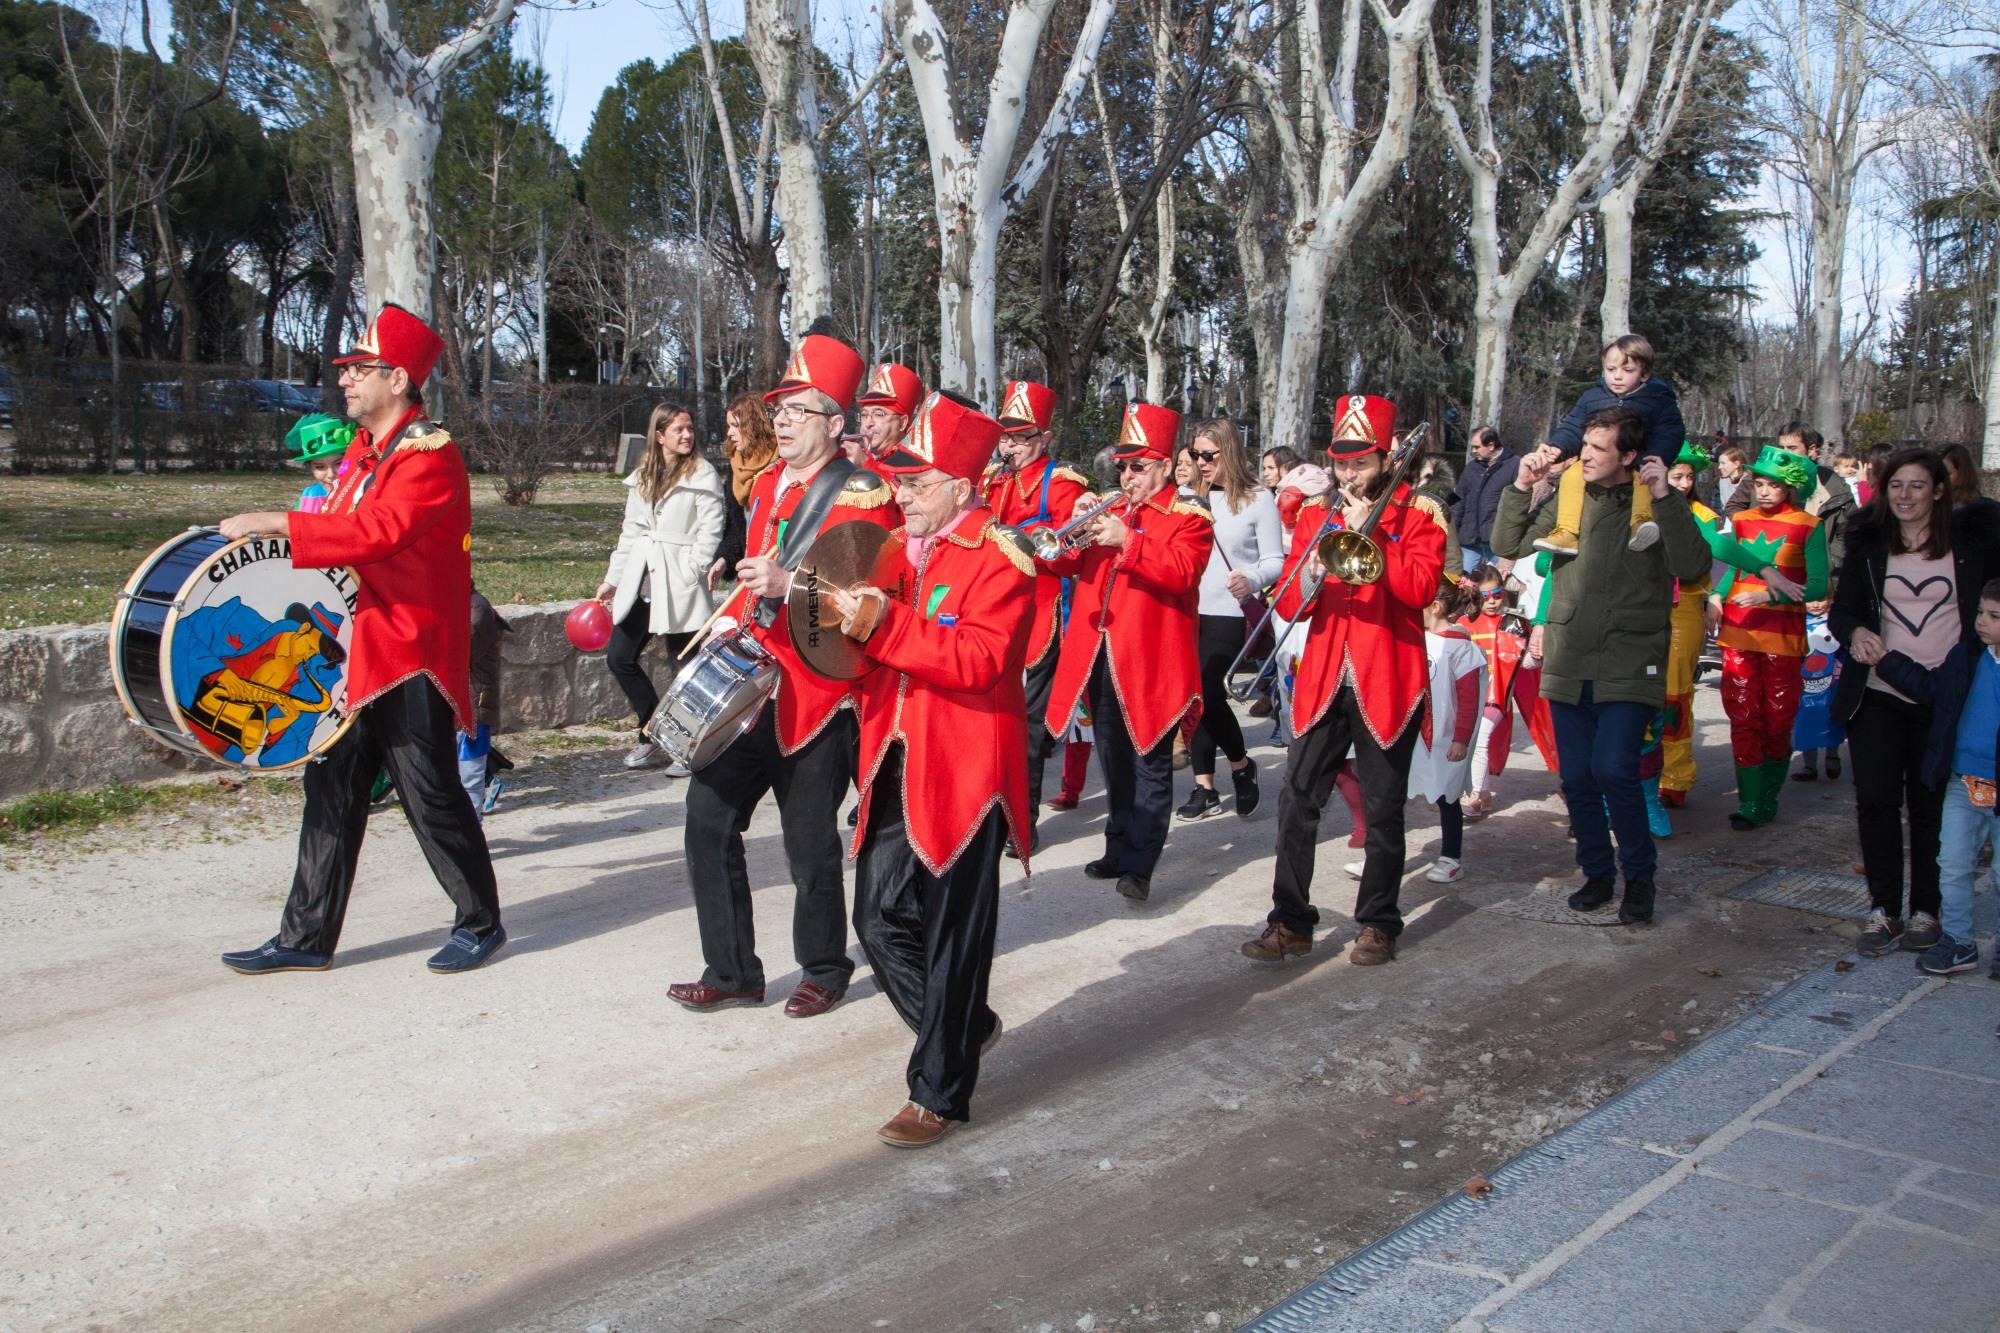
(61, 725)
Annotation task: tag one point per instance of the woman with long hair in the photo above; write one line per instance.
(1276, 463)
(1909, 539)
(658, 581)
(1966, 497)
(1246, 558)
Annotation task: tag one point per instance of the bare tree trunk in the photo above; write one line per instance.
(1829, 250)
(778, 34)
(1614, 217)
(338, 290)
(1990, 446)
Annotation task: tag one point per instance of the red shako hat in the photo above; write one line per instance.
(401, 339)
(894, 387)
(822, 363)
(1026, 408)
(1362, 424)
(948, 433)
(1149, 431)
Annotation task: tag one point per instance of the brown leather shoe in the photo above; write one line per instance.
(1372, 946)
(1276, 944)
(702, 997)
(914, 1127)
(811, 999)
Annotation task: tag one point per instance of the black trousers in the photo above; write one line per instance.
(930, 940)
(1310, 766)
(720, 800)
(1220, 640)
(411, 730)
(1140, 786)
(629, 638)
(1886, 739)
(1041, 743)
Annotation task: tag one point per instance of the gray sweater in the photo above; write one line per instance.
(1249, 540)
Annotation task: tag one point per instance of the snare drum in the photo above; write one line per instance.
(223, 650)
(716, 698)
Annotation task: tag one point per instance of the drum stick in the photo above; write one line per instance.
(702, 630)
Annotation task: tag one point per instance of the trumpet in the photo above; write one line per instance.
(1051, 543)
(1351, 554)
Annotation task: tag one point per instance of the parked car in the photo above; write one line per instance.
(247, 396)
(163, 395)
(10, 397)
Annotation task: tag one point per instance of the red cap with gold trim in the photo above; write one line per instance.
(948, 433)
(894, 387)
(1149, 431)
(401, 339)
(1026, 408)
(1362, 424)
(822, 363)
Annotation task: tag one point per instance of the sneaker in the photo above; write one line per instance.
(1245, 781)
(1355, 868)
(1596, 892)
(1201, 803)
(1636, 907)
(1647, 534)
(1948, 958)
(1557, 542)
(1445, 870)
(493, 790)
(1924, 932)
(1881, 935)
(645, 755)
(676, 769)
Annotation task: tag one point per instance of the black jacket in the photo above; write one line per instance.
(1479, 488)
(1857, 597)
(1944, 690)
(1652, 399)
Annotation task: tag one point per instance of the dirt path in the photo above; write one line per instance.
(1166, 1131)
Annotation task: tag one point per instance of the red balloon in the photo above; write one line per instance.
(588, 625)
(1290, 500)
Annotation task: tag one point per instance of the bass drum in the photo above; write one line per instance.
(222, 650)
(716, 698)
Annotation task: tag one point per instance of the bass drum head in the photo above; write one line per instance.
(252, 657)
(136, 623)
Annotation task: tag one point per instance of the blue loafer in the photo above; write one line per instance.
(271, 956)
(465, 950)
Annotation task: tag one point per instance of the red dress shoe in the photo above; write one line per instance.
(812, 999)
(1672, 799)
(914, 1127)
(702, 997)
(1062, 801)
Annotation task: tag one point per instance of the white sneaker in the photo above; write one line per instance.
(676, 769)
(1445, 870)
(1355, 868)
(1645, 535)
(645, 755)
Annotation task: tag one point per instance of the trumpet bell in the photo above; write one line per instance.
(1047, 545)
(1350, 556)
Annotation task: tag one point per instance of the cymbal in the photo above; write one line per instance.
(845, 555)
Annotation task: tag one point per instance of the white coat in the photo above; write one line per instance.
(666, 548)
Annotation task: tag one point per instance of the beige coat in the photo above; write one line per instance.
(667, 548)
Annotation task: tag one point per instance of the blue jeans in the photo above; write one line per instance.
(472, 752)
(1597, 749)
(1476, 553)
(1965, 830)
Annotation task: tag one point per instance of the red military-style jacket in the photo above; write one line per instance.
(404, 523)
(1137, 605)
(947, 685)
(1016, 499)
(1371, 635)
(805, 700)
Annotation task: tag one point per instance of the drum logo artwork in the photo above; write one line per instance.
(258, 655)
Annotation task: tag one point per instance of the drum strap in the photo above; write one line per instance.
(804, 525)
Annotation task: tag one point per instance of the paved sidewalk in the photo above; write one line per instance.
(1829, 1162)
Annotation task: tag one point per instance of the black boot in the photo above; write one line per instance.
(1596, 892)
(1637, 906)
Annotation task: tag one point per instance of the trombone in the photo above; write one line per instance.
(1052, 543)
(1354, 559)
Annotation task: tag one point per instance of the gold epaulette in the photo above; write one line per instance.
(1012, 544)
(421, 437)
(1064, 472)
(1429, 504)
(864, 490)
(1183, 505)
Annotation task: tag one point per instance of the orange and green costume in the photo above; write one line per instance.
(1762, 645)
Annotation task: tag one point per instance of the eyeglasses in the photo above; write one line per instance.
(360, 371)
(1205, 455)
(1133, 465)
(922, 487)
(794, 412)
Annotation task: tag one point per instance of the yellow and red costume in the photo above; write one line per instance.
(1689, 634)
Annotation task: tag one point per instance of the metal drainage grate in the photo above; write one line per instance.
(1818, 891)
(1551, 905)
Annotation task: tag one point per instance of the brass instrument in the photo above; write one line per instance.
(1052, 543)
(1351, 554)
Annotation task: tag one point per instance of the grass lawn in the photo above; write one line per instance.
(69, 543)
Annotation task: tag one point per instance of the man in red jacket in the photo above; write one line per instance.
(1027, 491)
(887, 402)
(1130, 642)
(943, 781)
(801, 747)
(401, 515)
(1360, 687)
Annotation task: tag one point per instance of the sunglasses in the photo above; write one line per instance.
(1205, 455)
(1133, 465)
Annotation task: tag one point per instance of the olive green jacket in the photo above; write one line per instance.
(1609, 607)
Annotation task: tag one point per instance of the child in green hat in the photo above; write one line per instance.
(317, 441)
